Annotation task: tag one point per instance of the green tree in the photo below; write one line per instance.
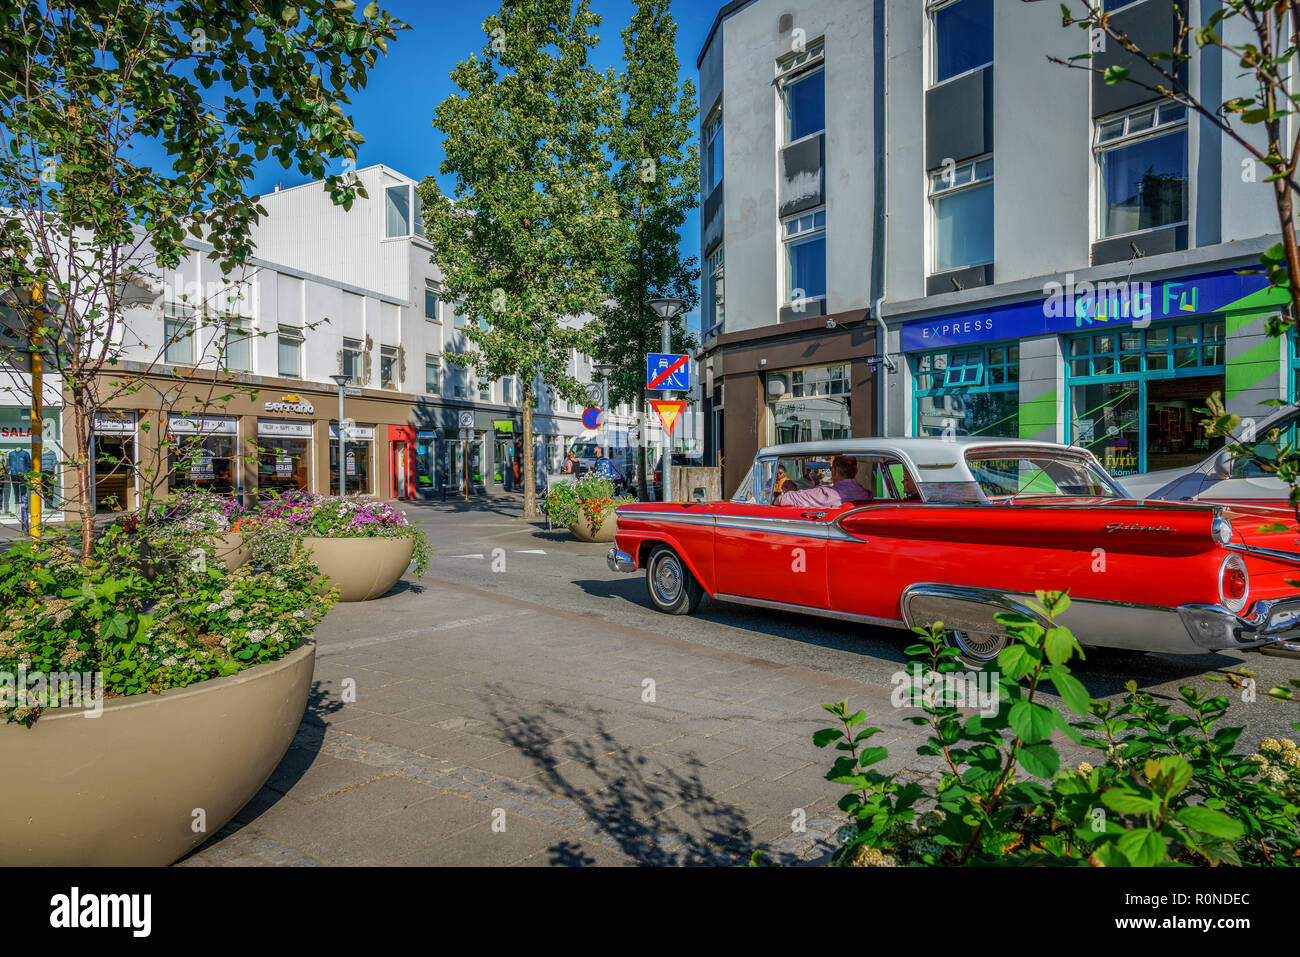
(656, 179)
(525, 241)
(88, 225)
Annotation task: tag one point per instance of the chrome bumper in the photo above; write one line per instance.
(1215, 628)
(620, 561)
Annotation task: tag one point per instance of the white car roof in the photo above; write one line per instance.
(932, 459)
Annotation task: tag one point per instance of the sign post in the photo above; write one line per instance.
(667, 373)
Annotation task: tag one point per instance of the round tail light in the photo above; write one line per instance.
(1234, 583)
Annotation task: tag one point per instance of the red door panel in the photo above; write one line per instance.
(772, 553)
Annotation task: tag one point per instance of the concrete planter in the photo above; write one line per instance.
(123, 789)
(608, 528)
(362, 568)
(231, 549)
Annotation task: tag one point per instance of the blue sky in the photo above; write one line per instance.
(395, 110)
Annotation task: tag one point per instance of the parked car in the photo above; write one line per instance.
(1222, 477)
(960, 530)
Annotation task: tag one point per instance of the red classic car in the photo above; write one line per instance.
(959, 530)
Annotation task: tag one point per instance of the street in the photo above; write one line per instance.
(543, 714)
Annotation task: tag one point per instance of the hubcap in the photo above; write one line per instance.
(978, 647)
(668, 579)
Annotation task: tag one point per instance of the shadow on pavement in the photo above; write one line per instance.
(657, 817)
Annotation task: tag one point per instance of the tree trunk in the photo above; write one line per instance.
(642, 492)
(530, 470)
(81, 466)
(1286, 220)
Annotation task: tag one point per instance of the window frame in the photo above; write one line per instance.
(933, 7)
(715, 271)
(359, 363)
(431, 289)
(935, 194)
(1157, 130)
(244, 329)
(790, 241)
(171, 341)
(293, 334)
(415, 219)
(712, 133)
(390, 357)
(792, 69)
(941, 386)
(434, 361)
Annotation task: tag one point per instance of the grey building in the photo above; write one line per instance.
(1048, 256)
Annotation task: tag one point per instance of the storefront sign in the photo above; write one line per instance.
(503, 426)
(357, 432)
(296, 430)
(1071, 306)
(291, 403)
(283, 465)
(202, 425)
(114, 423)
(203, 467)
(15, 432)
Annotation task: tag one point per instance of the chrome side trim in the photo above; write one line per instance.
(778, 526)
(1275, 554)
(681, 518)
(809, 610)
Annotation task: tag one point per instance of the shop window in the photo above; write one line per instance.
(1142, 160)
(359, 454)
(1134, 394)
(961, 204)
(968, 392)
(204, 459)
(814, 405)
(283, 458)
(963, 37)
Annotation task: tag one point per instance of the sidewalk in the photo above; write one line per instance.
(488, 730)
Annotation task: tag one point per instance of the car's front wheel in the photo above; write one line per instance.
(976, 650)
(673, 589)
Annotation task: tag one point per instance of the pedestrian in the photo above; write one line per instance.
(570, 464)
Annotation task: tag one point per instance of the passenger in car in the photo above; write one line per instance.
(844, 488)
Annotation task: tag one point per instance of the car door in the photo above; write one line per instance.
(772, 553)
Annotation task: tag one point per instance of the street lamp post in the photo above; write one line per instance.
(342, 380)
(666, 310)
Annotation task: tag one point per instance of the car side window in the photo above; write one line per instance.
(1265, 451)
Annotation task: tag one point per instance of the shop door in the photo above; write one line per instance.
(114, 468)
(398, 470)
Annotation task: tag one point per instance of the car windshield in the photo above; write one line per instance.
(1005, 474)
(1265, 445)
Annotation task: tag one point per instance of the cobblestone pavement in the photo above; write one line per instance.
(453, 725)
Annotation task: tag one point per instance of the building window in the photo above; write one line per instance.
(432, 304)
(961, 201)
(715, 317)
(508, 390)
(460, 382)
(803, 93)
(402, 214)
(459, 319)
(1134, 394)
(238, 350)
(178, 331)
(805, 256)
(1142, 159)
(973, 391)
(433, 375)
(388, 371)
(963, 37)
(484, 389)
(352, 361)
(711, 169)
(289, 352)
(812, 404)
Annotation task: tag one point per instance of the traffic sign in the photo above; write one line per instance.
(467, 420)
(667, 372)
(668, 411)
(591, 418)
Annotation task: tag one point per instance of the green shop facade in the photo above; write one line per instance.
(1117, 367)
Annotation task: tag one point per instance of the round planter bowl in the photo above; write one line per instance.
(362, 568)
(126, 788)
(582, 528)
(232, 550)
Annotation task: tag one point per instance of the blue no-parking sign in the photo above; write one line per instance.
(591, 418)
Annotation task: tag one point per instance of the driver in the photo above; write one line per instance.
(843, 488)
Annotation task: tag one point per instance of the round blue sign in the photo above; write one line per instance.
(591, 418)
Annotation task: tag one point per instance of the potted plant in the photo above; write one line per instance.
(172, 532)
(197, 682)
(361, 545)
(586, 507)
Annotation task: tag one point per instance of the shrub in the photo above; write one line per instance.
(590, 495)
(141, 634)
(1169, 786)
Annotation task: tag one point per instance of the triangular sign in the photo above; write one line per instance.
(668, 410)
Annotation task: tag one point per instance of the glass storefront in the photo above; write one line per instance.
(970, 391)
(1134, 394)
(16, 461)
(427, 479)
(115, 462)
(358, 470)
(201, 452)
(283, 457)
(813, 405)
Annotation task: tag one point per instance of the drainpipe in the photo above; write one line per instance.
(880, 261)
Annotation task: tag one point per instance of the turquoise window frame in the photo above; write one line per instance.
(993, 376)
(1146, 370)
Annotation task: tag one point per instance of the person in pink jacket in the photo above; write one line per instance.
(844, 488)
